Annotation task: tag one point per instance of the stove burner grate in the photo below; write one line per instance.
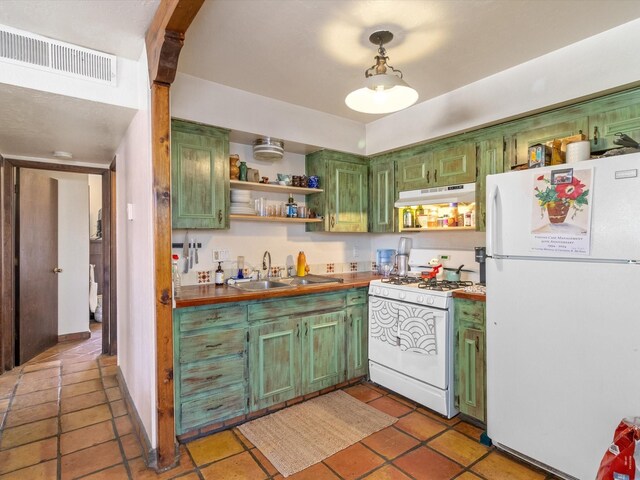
(400, 280)
(443, 285)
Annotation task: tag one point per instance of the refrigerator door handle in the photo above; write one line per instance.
(491, 219)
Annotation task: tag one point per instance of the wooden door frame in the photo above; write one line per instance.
(164, 40)
(8, 253)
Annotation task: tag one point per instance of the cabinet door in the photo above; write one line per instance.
(471, 376)
(322, 351)
(414, 172)
(199, 176)
(274, 353)
(490, 159)
(347, 197)
(357, 341)
(382, 196)
(545, 134)
(604, 126)
(454, 164)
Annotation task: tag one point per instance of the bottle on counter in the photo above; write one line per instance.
(301, 265)
(292, 207)
(408, 218)
(175, 275)
(219, 275)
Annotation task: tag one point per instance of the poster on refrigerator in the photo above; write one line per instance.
(561, 214)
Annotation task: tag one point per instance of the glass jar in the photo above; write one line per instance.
(408, 218)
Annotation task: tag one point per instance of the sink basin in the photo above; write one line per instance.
(260, 285)
(314, 279)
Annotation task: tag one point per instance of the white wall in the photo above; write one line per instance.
(135, 267)
(95, 202)
(214, 104)
(73, 251)
(597, 64)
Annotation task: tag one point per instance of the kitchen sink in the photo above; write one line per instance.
(314, 280)
(256, 285)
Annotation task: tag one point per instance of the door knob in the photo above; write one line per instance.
(57, 270)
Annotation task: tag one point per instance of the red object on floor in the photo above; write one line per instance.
(619, 461)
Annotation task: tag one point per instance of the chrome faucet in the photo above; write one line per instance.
(266, 263)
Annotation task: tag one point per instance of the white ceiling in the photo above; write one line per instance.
(306, 52)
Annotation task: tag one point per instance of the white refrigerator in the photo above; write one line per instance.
(563, 310)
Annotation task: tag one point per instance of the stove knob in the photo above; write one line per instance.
(419, 299)
(430, 301)
(376, 290)
(385, 292)
(402, 295)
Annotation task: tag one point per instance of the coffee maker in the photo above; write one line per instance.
(481, 257)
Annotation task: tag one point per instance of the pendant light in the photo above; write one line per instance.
(385, 91)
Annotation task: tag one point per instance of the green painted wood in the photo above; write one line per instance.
(454, 163)
(219, 405)
(323, 359)
(382, 196)
(196, 319)
(344, 202)
(199, 176)
(414, 169)
(471, 385)
(470, 368)
(604, 126)
(284, 308)
(524, 139)
(357, 341)
(357, 296)
(491, 159)
(203, 376)
(212, 343)
(274, 369)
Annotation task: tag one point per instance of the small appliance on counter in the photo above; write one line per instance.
(385, 260)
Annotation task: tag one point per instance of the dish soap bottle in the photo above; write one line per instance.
(219, 275)
(175, 275)
(301, 266)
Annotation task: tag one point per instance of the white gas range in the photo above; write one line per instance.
(411, 344)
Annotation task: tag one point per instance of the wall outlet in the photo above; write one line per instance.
(220, 255)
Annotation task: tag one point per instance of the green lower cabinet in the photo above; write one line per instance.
(210, 366)
(274, 353)
(323, 359)
(471, 377)
(357, 342)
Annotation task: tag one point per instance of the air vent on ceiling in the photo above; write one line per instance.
(25, 48)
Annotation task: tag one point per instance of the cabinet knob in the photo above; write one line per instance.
(435, 175)
(57, 270)
(220, 216)
(428, 172)
(333, 221)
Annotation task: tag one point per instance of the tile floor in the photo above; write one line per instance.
(62, 416)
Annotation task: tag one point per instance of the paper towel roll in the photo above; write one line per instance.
(578, 151)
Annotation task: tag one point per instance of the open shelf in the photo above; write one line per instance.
(257, 218)
(436, 229)
(271, 187)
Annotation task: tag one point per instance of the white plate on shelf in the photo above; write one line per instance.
(242, 210)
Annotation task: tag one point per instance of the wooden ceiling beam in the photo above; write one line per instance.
(165, 37)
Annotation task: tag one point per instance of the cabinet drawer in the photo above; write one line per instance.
(211, 375)
(469, 311)
(210, 317)
(357, 297)
(221, 405)
(212, 343)
(295, 306)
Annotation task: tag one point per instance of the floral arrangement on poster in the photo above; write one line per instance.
(559, 196)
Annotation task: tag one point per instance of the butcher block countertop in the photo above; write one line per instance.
(208, 294)
(478, 297)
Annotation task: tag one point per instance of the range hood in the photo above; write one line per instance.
(462, 193)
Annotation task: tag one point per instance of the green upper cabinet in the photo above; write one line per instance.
(382, 195)
(604, 126)
(413, 169)
(454, 163)
(491, 159)
(434, 165)
(542, 134)
(344, 201)
(199, 176)
(323, 359)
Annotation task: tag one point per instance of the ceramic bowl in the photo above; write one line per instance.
(284, 177)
